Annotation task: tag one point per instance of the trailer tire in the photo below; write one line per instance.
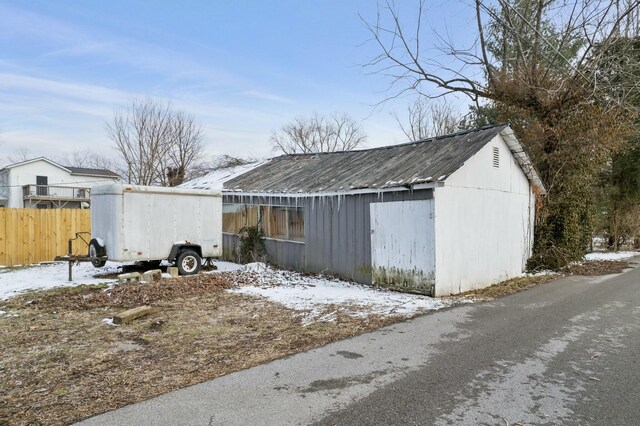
(96, 250)
(189, 262)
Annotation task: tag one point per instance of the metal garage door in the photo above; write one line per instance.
(403, 245)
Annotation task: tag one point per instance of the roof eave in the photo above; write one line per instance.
(227, 191)
(33, 160)
(95, 175)
(521, 157)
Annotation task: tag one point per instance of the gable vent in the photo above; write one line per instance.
(496, 157)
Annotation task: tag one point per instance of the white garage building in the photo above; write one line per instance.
(438, 216)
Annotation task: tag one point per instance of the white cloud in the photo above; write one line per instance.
(266, 96)
(87, 92)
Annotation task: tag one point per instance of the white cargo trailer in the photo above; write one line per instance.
(131, 223)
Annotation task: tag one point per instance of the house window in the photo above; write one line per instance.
(237, 216)
(496, 157)
(41, 185)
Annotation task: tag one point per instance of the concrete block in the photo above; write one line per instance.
(173, 271)
(152, 275)
(130, 278)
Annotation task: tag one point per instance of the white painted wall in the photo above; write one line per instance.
(26, 175)
(4, 188)
(484, 222)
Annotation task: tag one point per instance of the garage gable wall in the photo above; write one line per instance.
(484, 221)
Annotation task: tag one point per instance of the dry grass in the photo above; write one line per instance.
(587, 268)
(598, 267)
(511, 286)
(60, 363)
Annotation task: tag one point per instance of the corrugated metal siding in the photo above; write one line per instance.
(337, 232)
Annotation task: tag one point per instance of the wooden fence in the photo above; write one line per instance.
(37, 235)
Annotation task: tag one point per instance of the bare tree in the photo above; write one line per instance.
(519, 44)
(338, 132)
(186, 147)
(20, 155)
(426, 118)
(156, 145)
(226, 161)
(85, 158)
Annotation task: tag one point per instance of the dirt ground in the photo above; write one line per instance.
(60, 363)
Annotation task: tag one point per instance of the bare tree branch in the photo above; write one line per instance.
(156, 145)
(338, 132)
(427, 118)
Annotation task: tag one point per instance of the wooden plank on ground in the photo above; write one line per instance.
(132, 314)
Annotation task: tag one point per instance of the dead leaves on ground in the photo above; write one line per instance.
(60, 363)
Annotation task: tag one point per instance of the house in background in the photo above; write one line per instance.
(45, 184)
(438, 216)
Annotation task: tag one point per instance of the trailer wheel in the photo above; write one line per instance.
(189, 262)
(94, 252)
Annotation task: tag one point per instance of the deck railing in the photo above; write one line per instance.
(55, 192)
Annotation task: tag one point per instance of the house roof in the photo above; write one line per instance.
(406, 165)
(79, 171)
(32, 160)
(217, 178)
(84, 171)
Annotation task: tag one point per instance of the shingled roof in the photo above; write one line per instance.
(84, 171)
(425, 161)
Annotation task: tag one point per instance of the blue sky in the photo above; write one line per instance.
(243, 68)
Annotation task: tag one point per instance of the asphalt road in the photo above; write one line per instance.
(565, 352)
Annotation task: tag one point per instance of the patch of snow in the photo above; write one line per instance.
(16, 280)
(2, 313)
(109, 322)
(255, 267)
(539, 273)
(226, 266)
(314, 294)
(611, 255)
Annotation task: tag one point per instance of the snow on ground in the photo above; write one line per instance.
(611, 255)
(14, 281)
(226, 266)
(313, 295)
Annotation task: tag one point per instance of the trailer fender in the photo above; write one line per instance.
(177, 248)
